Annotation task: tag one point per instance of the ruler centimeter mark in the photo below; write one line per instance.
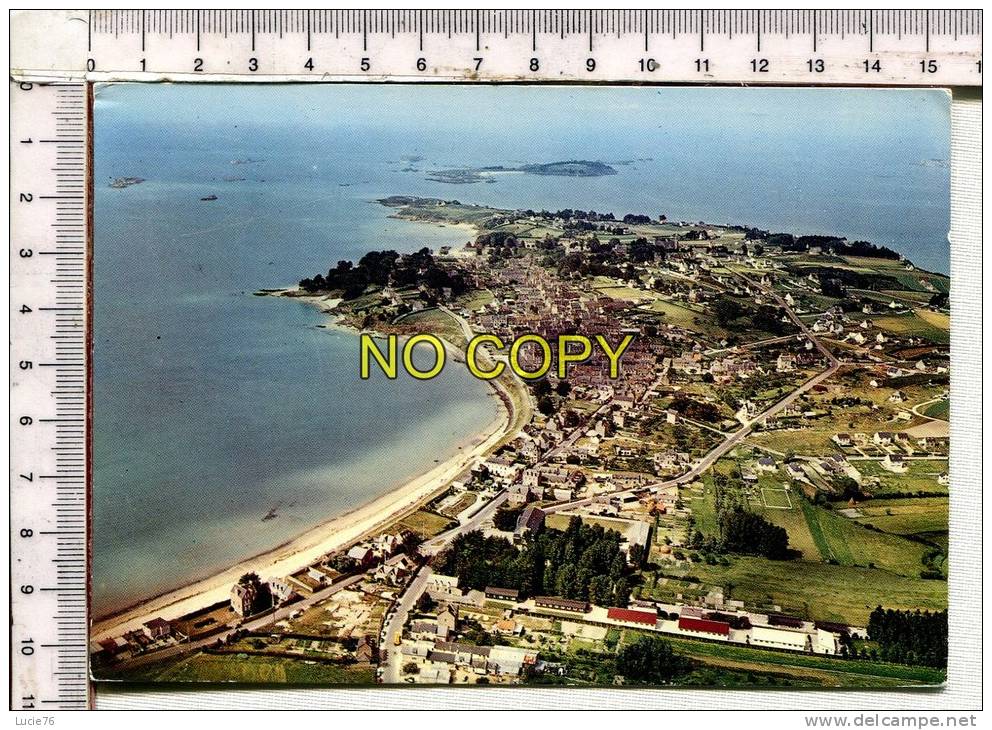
(49, 340)
(851, 47)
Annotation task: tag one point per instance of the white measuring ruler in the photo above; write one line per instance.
(903, 47)
(55, 54)
(48, 395)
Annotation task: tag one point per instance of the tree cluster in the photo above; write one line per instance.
(732, 314)
(751, 534)
(695, 410)
(582, 562)
(381, 268)
(910, 637)
(650, 660)
(261, 593)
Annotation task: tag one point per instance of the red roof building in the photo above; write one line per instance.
(637, 617)
(704, 626)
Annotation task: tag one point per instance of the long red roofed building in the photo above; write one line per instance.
(693, 619)
(631, 616)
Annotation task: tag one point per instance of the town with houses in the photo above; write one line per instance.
(758, 498)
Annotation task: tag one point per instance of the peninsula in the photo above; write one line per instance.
(759, 497)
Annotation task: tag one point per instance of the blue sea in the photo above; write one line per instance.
(214, 407)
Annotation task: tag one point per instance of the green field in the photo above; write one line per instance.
(252, 669)
(941, 409)
(920, 475)
(818, 590)
(623, 292)
(246, 669)
(682, 316)
(823, 670)
(474, 300)
(426, 524)
(438, 322)
(841, 539)
(769, 489)
(906, 516)
(919, 323)
(776, 498)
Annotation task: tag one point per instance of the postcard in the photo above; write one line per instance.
(520, 385)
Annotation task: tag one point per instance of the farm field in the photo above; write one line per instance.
(681, 316)
(920, 475)
(825, 671)
(255, 669)
(848, 543)
(623, 292)
(906, 516)
(919, 322)
(819, 590)
(776, 498)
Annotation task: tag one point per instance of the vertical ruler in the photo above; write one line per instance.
(49, 333)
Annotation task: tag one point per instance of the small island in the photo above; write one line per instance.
(119, 183)
(566, 168)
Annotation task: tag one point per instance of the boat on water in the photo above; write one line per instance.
(209, 197)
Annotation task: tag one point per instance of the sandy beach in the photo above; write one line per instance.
(299, 552)
(345, 529)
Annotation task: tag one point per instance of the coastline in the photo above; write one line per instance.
(334, 534)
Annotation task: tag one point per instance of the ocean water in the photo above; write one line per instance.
(213, 407)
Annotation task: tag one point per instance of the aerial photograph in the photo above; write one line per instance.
(582, 386)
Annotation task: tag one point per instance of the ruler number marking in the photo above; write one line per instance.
(34, 651)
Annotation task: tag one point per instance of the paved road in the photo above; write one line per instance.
(394, 626)
(751, 345)
(734, 439)
(440, 541)
(916, 409)
(409, 597)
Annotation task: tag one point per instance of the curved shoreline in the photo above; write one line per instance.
(330, 536)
